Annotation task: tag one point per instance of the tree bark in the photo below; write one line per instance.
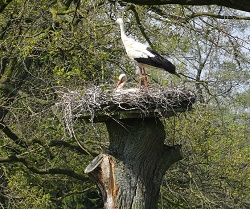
(130, 176)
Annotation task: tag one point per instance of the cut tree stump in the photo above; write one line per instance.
(129, 175)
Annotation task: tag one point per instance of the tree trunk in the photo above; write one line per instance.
(130, 176)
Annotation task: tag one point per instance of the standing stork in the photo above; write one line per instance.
(144, 56)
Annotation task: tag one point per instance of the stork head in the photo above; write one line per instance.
(121, 82)
(119, 21)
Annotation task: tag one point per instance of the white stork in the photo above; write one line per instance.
(122, 80)
(144, 56)
(119, 87)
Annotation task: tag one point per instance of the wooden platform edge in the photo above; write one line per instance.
(125, 114)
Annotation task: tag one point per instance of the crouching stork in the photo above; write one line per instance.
(121, 83)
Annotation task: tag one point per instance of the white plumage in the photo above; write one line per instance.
(143, 55)
(121, 83)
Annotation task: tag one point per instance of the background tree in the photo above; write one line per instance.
(46, 47)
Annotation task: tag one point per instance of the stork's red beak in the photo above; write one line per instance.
(119, 82)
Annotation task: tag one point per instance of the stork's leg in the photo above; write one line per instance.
(145, 77)
(140, 76)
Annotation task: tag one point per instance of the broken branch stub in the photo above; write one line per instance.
(101, 170)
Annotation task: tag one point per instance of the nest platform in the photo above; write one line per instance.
(98, 105)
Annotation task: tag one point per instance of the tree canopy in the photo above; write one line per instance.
(49, 47)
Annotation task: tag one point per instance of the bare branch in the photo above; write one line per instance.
(4, 4)
(217, 16)
(243, 5)
(11, 135)
(18, 158)
(142, 29)
(187, 17)
(71, 147)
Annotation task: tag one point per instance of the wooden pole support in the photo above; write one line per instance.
(130, 175)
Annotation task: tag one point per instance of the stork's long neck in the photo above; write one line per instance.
(123, 35)
(121, 85)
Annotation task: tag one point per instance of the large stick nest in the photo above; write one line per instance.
(99, 104)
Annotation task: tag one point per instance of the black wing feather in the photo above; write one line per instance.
(157, 61)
